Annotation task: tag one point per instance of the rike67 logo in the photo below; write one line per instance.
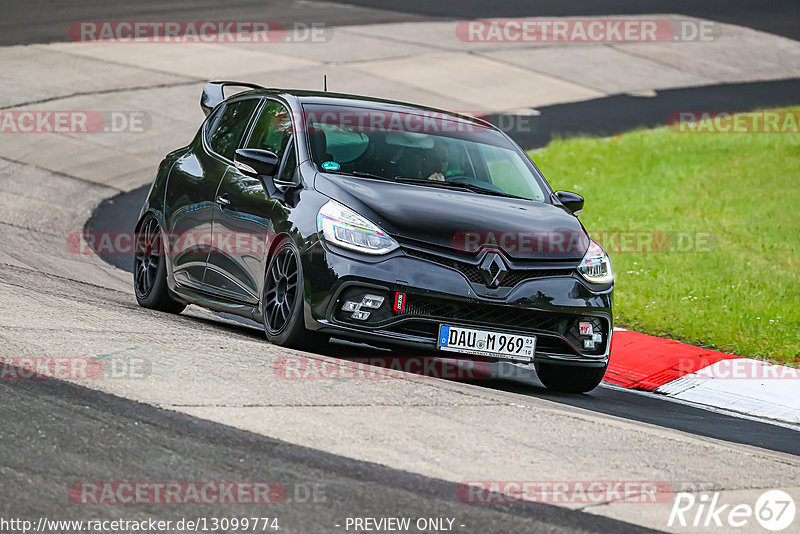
(774, 510)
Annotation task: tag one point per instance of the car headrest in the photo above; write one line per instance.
(319, 143)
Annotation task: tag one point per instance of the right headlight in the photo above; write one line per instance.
(596, 265)
(339, 225)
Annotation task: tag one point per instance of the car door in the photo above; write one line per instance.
(244, 217)
(194, 180)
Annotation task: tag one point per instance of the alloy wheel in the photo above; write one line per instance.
(148, 255)
(280, 291)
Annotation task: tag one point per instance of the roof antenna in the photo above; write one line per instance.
(325, 82)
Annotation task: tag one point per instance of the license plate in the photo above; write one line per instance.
(486, 343)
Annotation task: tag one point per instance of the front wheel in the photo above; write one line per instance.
(282, 301)
(569, 378)
(150, 269)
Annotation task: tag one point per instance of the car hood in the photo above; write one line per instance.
(461, 221)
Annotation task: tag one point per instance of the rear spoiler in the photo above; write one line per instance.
(213, 93)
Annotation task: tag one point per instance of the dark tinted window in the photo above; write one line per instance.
(273, 129)
(287, 174)
(227, 134)
(419, 145)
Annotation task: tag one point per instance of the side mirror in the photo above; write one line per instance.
(572, 201)
(256, 162)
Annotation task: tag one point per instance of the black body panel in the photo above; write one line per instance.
(205, 203)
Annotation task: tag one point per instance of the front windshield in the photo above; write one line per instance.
(423, 148)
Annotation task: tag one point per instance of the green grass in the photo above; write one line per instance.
(742, 295)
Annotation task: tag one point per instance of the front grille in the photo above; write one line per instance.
(565, 327)
(487, 314)
(473, 273)
(514, 277)
(557, 333)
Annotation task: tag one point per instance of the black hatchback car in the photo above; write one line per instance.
(322, 214)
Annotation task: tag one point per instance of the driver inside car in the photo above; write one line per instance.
(437, 161)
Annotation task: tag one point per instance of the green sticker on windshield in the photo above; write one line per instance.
(331, 166)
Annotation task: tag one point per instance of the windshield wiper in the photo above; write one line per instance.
(360, 174)
(430, 183)
(363, 174)
(454, 185)
(479, 189)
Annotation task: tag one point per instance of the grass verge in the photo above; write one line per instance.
(703, 232)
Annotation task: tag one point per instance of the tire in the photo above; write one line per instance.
(150, 269)
(282, 301)
(569, 378)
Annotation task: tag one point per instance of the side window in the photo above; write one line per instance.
(273, 129)
(287, 174)
(225, 138)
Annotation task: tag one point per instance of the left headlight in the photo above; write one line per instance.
(596, 265)
(344, 227)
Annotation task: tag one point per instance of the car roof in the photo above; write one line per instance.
(302, 96)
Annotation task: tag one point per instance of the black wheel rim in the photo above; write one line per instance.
(280, 291)
(148, 256)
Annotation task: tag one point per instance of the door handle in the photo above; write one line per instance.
(223, 201)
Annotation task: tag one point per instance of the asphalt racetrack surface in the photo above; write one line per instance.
(38, 21)
(55, 434)
(69, 425)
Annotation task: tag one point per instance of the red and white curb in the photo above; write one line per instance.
(703, 376)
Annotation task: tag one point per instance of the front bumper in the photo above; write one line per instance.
(549, 307)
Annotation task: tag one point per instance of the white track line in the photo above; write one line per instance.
(707, 407)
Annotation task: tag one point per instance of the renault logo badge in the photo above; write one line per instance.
(493, 270)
